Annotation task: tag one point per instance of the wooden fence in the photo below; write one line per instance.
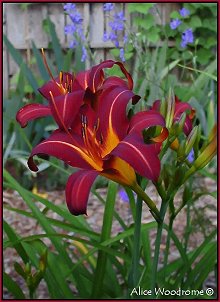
(23, 26)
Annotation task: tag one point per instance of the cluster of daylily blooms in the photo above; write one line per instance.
(95, 134)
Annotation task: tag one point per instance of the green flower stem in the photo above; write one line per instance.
(153, 209)
(160, 189)
(166, 252)
(163, 209)
(105, 234)
(170, 140)
(134, 273)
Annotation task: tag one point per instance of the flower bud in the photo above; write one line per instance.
(43, 261)
(163, 107)
(180, 123)
(190, 141)
(181, 152)
(170, 109)
(208, 152)
(28, 268)
(175, 144)
(196, 144)
(205, 157)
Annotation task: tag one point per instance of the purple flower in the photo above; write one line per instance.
(122, 55)
(125, 39)
(114, 38)
(76, 17)
(187, 37)
(69, 6)
(191, 156)
(175, 23)
(123, 195)
(75, 28)
(84, 54)
(116, 25)
(74, 43)
(184, 12)
(105, 37)
(107, 7)
(120, 16)
(69, 29)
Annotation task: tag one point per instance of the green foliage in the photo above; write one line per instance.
(59, 270)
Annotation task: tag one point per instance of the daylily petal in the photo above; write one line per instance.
(181, 107)
(112, 105)
(31, 112)
(53, 85)
(96, 76)
(143, 158)
(67, 147)
(65, 108)
(81, 80)
(145, 119)
(187, 128)
(156, 105)
(116, 81)
(118, 170)
(77, 191)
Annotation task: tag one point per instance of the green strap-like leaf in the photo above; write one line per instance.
(12, 287)
(19, 60)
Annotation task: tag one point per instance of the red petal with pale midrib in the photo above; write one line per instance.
(145, 119)
(31, 112)
(112, 111)
(77, 191)
(65, 108)
(96, 74)
(143, 158)
(68, 148)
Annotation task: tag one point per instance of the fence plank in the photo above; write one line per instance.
(22, 26)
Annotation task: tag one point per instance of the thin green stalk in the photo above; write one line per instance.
(188, 227)
(153, 209)
(105, 235)
(134, 273)
(169, 141)
(166, 252)
(163, 209)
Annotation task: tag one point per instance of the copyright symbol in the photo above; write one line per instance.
(209, 291)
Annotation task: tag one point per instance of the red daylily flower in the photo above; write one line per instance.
(100, 139)
(67, 93)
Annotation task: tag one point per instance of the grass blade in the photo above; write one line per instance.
(19, 60)
(12, 287)
(12, 236)
(40, 63)
(56, 45)
(106, 232)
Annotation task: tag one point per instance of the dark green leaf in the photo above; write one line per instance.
(12, 287)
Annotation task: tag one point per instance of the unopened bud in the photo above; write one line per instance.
(28, 268)
(175, 144)
(43, 261)
(204, 158)
(180, 123)
(170, 109)
(190, 141)
(181, 152)
(196, 144)
(163, 107)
